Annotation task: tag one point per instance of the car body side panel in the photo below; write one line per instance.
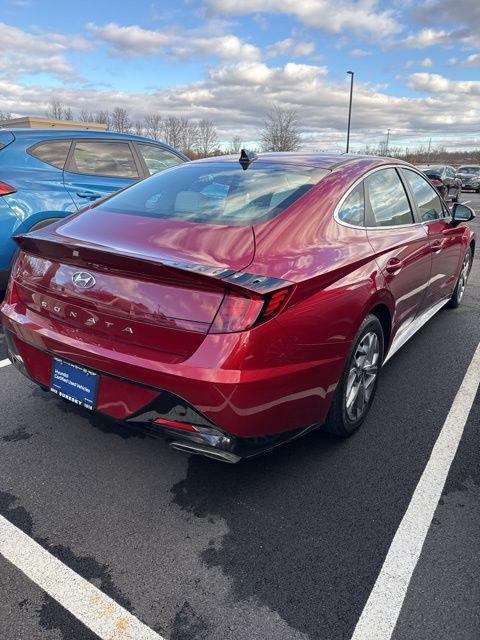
(448, 248)
(409, 285)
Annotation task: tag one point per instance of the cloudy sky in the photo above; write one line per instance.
(416, 63)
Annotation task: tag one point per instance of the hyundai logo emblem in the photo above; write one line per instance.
(83, 279)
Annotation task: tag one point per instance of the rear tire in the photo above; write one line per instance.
(459, 290)
(358, 384)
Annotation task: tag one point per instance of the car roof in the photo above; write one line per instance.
(320, 160)
(20, 132)
(38, 135)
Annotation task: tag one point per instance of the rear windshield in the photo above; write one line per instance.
(217, 192)
(473, 170)
(433, 171)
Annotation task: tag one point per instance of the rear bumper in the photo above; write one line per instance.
(265, 404)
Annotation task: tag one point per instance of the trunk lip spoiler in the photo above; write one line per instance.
(241, 281)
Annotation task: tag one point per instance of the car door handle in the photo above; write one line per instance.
(88, 195)
(437, 246)
(393, 266)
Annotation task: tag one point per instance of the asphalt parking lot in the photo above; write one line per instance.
(286, 546)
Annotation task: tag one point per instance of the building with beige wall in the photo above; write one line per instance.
(39, 122)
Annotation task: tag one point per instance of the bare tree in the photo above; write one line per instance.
(58, 111)
(207, 137)
(280, 131)
(172, 131)
(103, 117)
(120, 120)
(5, 116)
(189, 136)
(153, 125)
(235, 145)
(138, 128)
(86, 116)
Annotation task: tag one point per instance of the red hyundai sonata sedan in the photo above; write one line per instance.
(233, 304)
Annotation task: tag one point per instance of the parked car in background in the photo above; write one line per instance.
(232, 304)
(470, 176)
(48, 174)
(444, 178)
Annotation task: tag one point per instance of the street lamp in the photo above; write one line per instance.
(351, 74)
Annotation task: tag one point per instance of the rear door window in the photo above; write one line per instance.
(103, 158)
(388, 200)
(426, 198)
(156, 158)
(53, 152)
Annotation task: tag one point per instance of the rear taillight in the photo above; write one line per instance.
(236, 313)
(6, 189)
(274, 303)
(239, 313)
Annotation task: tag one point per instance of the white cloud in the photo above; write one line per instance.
(435, 83)
(15, 39)
(465, 13)
(237, 96)
(473, 60)
(363, 17)
(427, 63)
(132, 40)
(427, 38)
(258, 73)
(291, 47)
(360, 53)
(22, 52)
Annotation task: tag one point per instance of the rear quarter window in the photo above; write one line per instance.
(352, 210)
(53, 152)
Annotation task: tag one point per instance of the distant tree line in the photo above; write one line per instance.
(195, 138)
(199, 138)
(424, 154)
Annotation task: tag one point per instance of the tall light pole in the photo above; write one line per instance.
(388, 138)
(351, 74)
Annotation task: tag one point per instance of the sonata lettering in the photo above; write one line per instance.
(89, 322)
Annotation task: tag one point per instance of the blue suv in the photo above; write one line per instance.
(47, 174)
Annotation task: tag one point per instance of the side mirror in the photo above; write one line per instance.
(462, 213)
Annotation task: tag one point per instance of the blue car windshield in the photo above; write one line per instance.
(217, 192)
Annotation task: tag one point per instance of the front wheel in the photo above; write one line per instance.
(357, 386)
(459, 290)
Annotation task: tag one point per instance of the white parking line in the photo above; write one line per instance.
(4, 363)
(383, 606)
(91, 606)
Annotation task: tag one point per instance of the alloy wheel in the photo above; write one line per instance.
(362, 375)
(463, 277)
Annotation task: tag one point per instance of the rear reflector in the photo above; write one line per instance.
(6, 189)
(172, 424)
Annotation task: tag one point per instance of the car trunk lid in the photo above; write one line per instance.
(141, 281)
